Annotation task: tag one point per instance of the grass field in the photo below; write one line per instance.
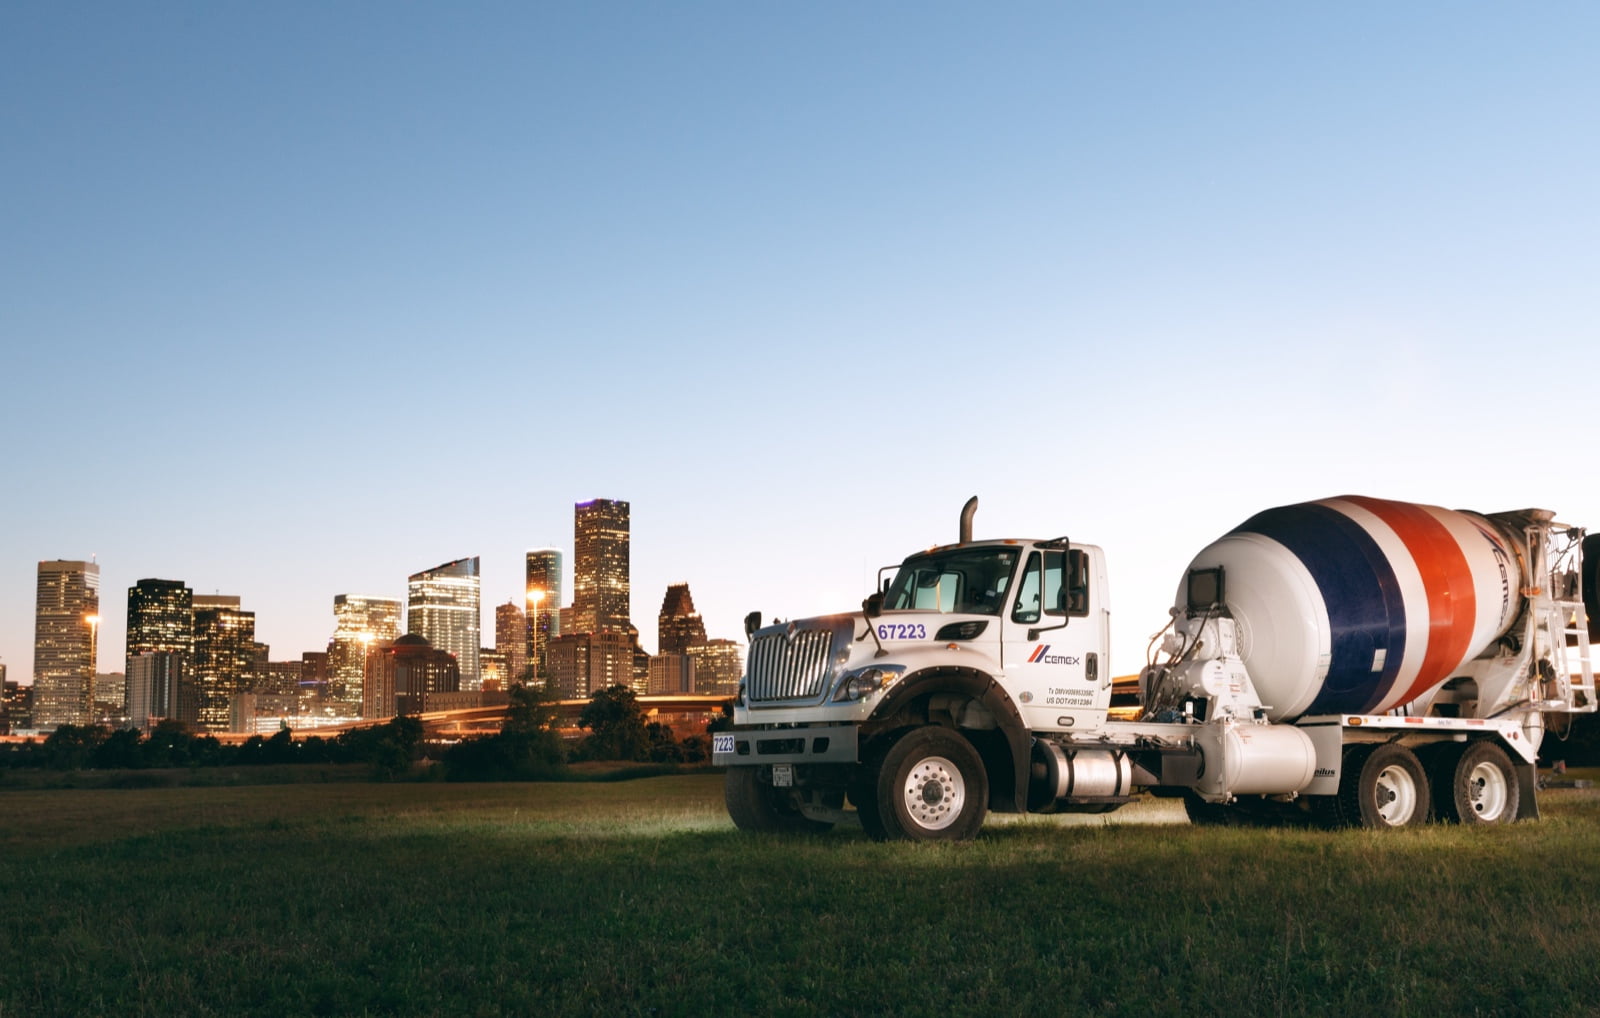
(639, 898)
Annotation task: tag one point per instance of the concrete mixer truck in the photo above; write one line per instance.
(1348, 662)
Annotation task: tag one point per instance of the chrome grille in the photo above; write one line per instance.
(784, 667)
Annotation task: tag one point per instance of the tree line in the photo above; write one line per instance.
(529, 745)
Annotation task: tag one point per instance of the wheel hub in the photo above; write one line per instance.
(1396, 795)
(934, 793)
(1487, 792)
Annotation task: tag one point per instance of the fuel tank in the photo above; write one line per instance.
(1358, 605)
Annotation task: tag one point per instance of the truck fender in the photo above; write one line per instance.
(985, 690)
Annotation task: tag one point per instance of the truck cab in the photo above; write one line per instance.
(988, 641)
(1036, 611)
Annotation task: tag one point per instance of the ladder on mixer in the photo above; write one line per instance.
(1571, 633)
(1568, 625)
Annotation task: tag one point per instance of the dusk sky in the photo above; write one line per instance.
(300, 298)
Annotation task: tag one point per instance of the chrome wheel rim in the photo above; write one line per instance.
(934, 793)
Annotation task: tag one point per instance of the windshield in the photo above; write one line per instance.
(960, 580)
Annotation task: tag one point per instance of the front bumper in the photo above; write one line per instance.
(813, 744)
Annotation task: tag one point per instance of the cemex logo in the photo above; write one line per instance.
(1041, 656)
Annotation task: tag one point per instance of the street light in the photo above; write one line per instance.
(535, 596)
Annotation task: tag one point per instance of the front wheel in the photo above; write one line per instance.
(930, 786)
(756, 806)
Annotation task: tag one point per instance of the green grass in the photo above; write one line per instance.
(639, 898)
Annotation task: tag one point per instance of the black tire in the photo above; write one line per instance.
(863, 789)
(1382, 787)
(1479, 789)
(931, 786)
(756, 806)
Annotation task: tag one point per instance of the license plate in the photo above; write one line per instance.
(782, 775)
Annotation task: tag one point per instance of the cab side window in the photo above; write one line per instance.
(1025, 609)
(1073, 597)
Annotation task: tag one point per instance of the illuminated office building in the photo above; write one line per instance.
(493, 671)
(679, 626)
(405, 676)
(443, 605)
(718, 666)
(110, 698)
(160, 618)
(583, 663)
(224, 661)
(278, 678)
(66, 624)
(544, 607)
(16, 705)
(510, 641)
(360, 623)
(160, 622)
(600, 566)
(671, 673)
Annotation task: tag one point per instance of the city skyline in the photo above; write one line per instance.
(160, 617)
(797, 281)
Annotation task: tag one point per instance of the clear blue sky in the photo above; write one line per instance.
(300, 298)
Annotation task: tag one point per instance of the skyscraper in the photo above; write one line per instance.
(160, 621)
(680, 626)
(66, 623)
(442, 606)
(511, 639)
(224, 660)
(360, 624)
(544, 606)
(154, 680)
(718, 664)
(600, 571)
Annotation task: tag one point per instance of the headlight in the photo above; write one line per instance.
(863, 682)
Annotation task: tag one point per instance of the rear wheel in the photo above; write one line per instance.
(756, 806)
(1382, 787)
(930, 786)
(1480, 788)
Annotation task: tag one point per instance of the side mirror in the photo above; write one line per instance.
(752, 622)
(872, 607)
